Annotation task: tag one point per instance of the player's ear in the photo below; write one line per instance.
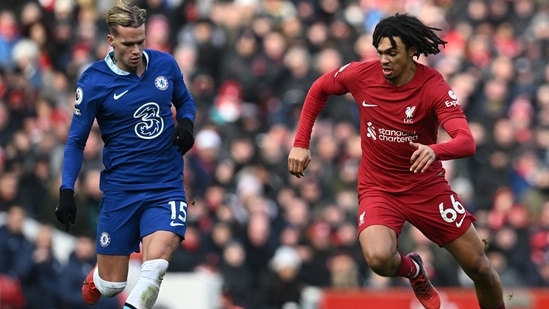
(110, 39)
(412, 51)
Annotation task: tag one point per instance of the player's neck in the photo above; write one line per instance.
(141, 67)
(138, 71)
(407, 75)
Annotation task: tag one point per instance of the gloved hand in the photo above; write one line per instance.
(183, 136)
(66, 209)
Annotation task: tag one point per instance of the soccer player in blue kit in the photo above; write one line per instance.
(131, 93)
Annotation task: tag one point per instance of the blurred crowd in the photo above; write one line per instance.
(249, 64)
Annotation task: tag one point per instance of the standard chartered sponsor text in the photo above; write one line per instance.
(396, 136)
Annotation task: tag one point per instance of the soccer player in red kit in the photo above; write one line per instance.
(401, 104)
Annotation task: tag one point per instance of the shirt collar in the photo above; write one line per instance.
(116, 69)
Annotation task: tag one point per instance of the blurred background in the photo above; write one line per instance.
(269, 238)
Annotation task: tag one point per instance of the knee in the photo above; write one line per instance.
(480, 270)
(107, 288)
(111, 291)
(154, 269)
(380, 262)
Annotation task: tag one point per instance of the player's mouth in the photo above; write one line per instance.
(387, 71)
(135, 60)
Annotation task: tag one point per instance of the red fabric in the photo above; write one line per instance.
(433, 208)
(407, 267)
(390, 118)
(11, 295)
(462, 143)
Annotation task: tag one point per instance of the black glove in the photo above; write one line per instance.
(183, 136)
(66, 209)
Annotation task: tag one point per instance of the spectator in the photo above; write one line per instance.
(344, 270)
(259, 244)
(15, 253)
(34, 188)
(81, 261)
(236, 275)
(9, 36)
(191, 253)
(41, 279)
(9, 190)
(219, 238)
(282, 284)
(315, 266)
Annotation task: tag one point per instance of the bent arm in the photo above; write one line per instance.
(461, 145)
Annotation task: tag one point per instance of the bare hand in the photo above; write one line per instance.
(40, 255)
(298, 160)
(422, 158)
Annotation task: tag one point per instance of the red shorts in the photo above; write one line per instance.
(437, 212)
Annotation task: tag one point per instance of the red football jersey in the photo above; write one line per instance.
(390, 117)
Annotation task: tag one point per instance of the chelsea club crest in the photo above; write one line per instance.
(161, 83)
(105, 239)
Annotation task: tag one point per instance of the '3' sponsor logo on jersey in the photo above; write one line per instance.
(451, 214)
(151, 123)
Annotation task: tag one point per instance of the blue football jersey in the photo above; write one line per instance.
(134, 114)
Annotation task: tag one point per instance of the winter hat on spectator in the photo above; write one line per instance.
(207, 139)
(285, 256)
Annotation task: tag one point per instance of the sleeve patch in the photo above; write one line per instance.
(453, 99)
(79, 96)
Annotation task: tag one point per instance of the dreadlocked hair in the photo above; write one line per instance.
(411, 31)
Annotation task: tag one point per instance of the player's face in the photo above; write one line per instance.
(128, 46)
(396, 62)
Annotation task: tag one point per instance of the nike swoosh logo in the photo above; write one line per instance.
(458, 224)
(176, 224)
(118, 96)
(368, 105)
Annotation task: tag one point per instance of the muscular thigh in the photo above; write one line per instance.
(160, 245)
(113, 268)
(468, 250)
(438, 213)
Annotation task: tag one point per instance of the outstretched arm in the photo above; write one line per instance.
(331, 83)
(312, 106)
(300, 155)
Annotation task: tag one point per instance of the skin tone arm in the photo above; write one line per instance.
(298, 160)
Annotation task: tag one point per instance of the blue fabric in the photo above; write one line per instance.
(135, 118)
(126, 217)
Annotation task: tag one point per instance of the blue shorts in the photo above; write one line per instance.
(128, 216)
